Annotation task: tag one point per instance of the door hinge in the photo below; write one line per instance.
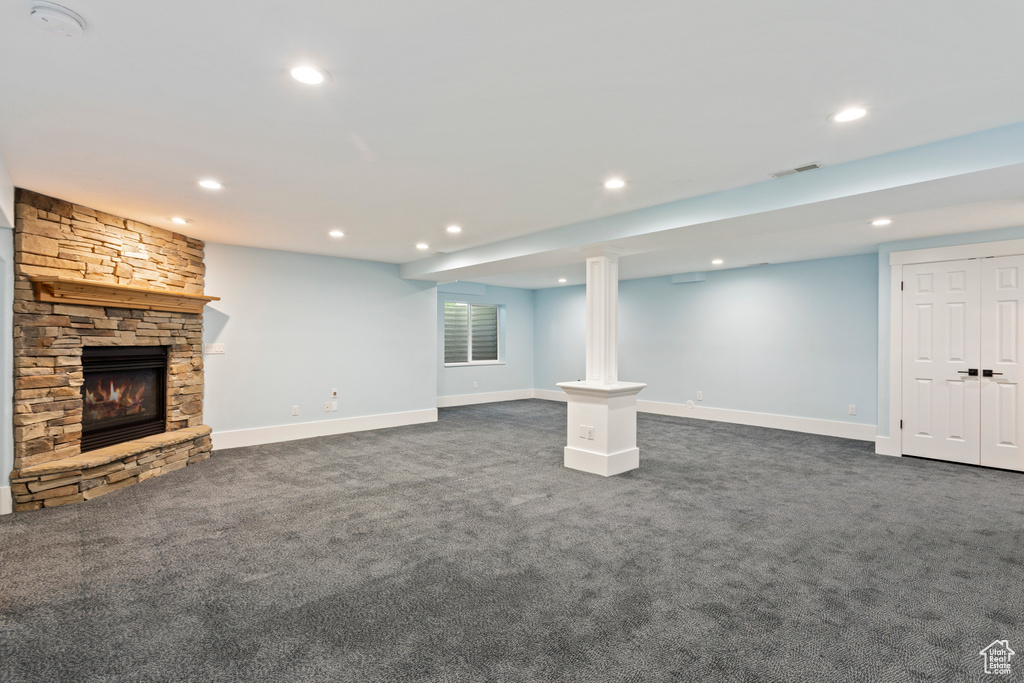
(901, 286)
(901, 424)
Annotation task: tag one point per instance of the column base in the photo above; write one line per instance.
(599, 463)
(602, 427)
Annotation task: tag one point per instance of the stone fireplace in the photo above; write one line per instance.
(108, 364)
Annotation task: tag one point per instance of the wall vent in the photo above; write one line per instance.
(799, 169)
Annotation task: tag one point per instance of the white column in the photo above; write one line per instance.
(602, 410)
(603, 318)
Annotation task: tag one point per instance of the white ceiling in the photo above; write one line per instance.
(502, 117)
(840, 227)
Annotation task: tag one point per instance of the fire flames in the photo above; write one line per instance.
(114, 400)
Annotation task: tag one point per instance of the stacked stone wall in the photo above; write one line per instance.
(97, 473)
(56, 238)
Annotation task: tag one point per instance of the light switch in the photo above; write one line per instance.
(583, 431)
(210, 349)
(590, 433)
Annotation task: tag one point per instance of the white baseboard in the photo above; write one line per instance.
(488, 397)
(304, 430)
(6, 503)
(807, 425)
(886, 445)
(599, 463)
(551, 395)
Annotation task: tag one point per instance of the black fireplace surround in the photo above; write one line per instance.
(124, 395)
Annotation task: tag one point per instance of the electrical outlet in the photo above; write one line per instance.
(853, 410)
(700, 395)
(334, 406)
(327, 406)
(583, 431)
(474, 384)
(295, 410)
(590, 433)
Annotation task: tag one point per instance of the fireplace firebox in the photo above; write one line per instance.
(124, 394)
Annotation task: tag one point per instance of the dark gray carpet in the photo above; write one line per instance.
(464, 551)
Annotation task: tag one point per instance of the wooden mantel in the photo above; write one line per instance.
(65, 290)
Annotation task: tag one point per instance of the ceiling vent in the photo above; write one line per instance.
(798, 169)
(58, 20)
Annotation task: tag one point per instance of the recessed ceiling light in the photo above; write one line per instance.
(880, 222)
(717, 262)
(454, 228)
(850, 114)
(423, 245)
(336, 233)
(614, 184)
(211, 184)
(179, 220)
(309, 75)
(562, 279)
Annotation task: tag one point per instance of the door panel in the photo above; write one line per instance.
(1006, 414)
(925, 332)
(923, 424)
(1002, 411)
(958, 332)
(956, 426)
(941, 403)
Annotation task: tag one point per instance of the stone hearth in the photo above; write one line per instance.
(57, 239)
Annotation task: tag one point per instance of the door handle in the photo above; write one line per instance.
(989, 373)
(973, 372)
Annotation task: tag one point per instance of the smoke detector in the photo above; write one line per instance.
(56, 19)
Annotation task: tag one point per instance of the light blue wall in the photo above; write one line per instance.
(517, 344)
(6, 197)
(6, 353)
(560, 336)
(885, 309)
(297, 326)
(6, 323)
(791, 339)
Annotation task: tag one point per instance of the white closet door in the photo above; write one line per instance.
(941, 343)
(1002, 333)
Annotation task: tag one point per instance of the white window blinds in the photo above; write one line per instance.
(470, 332)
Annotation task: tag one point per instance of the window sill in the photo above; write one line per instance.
(474, 363)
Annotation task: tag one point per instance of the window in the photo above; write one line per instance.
(470, 333)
